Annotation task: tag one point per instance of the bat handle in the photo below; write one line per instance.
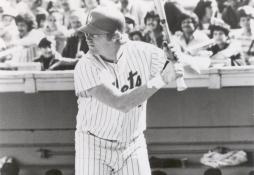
(180, 84)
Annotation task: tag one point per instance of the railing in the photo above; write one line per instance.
(35, 81)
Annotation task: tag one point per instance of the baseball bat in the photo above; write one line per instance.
(180, 83)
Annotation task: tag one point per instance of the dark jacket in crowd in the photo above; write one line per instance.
(173, 14)
(235, 59)
(71, 47)
(230, 16)
(46, 62)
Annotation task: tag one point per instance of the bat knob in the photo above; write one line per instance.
(165, 44)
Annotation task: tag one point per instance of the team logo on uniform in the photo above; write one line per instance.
(134, 80)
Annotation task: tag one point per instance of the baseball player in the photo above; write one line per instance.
(113, 82)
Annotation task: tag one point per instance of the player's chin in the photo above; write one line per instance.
(93, 49)
(90, 45)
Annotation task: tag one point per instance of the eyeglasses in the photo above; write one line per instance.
(92, 36)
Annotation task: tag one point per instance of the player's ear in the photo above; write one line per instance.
(117, 36)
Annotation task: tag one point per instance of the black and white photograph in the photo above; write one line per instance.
(126, 87)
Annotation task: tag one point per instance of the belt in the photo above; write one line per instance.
(89, 133)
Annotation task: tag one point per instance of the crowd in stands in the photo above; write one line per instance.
(47, 31)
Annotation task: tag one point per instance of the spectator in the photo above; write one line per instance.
(9, 31)
(213, 171)
(229, 14)
(224, 52)
(55, 30)
(27, 29)
(129, 23)
(136, 35)
(28, 39)
(47, 56)
(53, 172)
(245, 35)
(221, 5)
(189, 37)
(76, 20)
(153, 32)
(191, 43)
(76, 45)
(41, 18)
(67, 7)
(51, 59)
(24, 6)
(50, 6)
(135, 9)
(36, 7)
(91, 4)
(158, 30)
(205, 10)
(149, 26)
(173, 12)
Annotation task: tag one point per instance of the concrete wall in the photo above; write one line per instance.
(180, 125)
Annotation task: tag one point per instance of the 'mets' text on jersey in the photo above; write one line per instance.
(134, 81)
(137, 63)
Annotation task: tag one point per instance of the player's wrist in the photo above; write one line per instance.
(156, 82)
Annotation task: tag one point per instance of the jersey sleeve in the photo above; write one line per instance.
(157, 60)
(86, 76)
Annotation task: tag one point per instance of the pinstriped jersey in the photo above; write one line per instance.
(137, 63)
